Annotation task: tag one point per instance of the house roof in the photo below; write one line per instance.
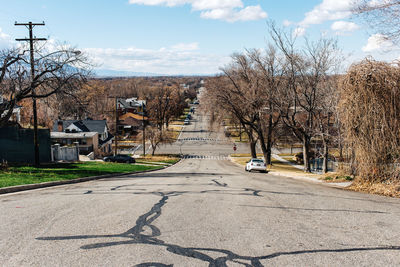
(85, 125)
(57, 135)
(103, 142)
(134, 116)
(131, 102)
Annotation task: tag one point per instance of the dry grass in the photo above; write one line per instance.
(176, 123)
(336, 177)
(158, 158)
(282, 167)
(288, 145)
(241, 160)
(245, 155)
(389, 190)
(174, 127)
(174, 131)
(286, 154)
(237, 139)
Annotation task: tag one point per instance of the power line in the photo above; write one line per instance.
(32, 39)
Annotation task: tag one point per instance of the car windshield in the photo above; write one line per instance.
(258, 160)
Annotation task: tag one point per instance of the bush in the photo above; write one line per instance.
(4, 166)
(370, 114)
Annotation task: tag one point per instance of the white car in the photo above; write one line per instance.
(257, 165)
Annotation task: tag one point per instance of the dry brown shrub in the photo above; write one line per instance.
(370, 113)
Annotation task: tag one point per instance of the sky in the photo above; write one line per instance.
(185, 37)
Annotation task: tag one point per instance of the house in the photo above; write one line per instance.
(16, 114)
(131, 105)
(131, 123)
(92, 135)
(88, 141)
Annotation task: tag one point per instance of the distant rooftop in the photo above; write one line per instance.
(79, 135)
(84, 125)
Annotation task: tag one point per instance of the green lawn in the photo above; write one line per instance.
(20, 175)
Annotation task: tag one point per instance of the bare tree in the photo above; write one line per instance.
(224, 103)
(383, 16)
(306, 70)
(250, 96)
(156, 137)
(327, 127)
(165, 101)
(59, 72)
(8, 58)
(271, 72)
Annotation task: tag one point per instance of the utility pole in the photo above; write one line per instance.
(31, 39)
(144, 131)
(116, 122)
(240, 131)
(116, 126)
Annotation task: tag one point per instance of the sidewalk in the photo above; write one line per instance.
(311, 177)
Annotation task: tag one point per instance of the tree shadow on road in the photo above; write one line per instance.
(144, 232)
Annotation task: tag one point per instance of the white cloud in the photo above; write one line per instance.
(299, 31)
(344, 26)
(287, 23)
(328, 10)
(5, 40)
(227, 10)
(196, 4)
(378, 43)
(232, 15)
(186, 47)
(175, 60)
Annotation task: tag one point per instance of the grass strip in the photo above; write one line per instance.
(21, 175)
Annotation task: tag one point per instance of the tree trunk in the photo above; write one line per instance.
(253, 149)
(252, 142)
(269, 152)
(263, 145)
(326, 155)
(263, 148)
(306, 153)
(340, 147)
(269, 140)
(353, 163)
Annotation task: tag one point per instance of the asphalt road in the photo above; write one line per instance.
(204, 211)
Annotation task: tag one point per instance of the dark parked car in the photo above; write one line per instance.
(120, 158)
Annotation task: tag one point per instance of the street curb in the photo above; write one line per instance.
(19, 188)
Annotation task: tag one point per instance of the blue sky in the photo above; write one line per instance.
(185, 36)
